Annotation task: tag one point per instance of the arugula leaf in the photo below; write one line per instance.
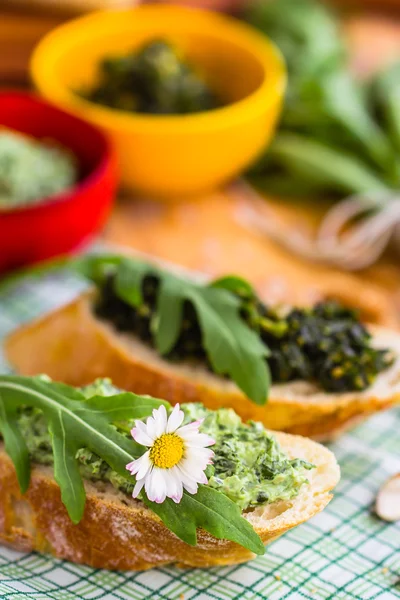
(306, 32)
(66, 469)
(72, 425)
(76, 422)
(222, 516)
(385, 97)
(95, 266)
(14, 443)
(306, 158)
(232, 347)
(169, 310)
(235, 284)
(325, 105)
(329, 105)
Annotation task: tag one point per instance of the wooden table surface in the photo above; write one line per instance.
(205, 233)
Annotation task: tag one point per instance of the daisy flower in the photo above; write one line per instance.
(176, 457)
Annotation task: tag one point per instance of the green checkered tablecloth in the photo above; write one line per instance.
(345, 552)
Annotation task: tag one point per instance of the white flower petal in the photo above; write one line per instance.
(190, 486)
(143, 427)
(197, 440)
(193, 468)
(187, 434)
(130, 465)
(140, 425)
(141, 437)
(203, 478)
(140, 466)
(145, 466)
(190, 427)
(151, 428)
(174, 484)
(161, 418)
(138, 488)
(201, 459)
(156, 485)
(197, 458)
(175, 419)
(192, 489)
(199, 453)
(189, 476)
(188, 482)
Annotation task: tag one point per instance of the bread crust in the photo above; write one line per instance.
(118, 532)
(73, 346)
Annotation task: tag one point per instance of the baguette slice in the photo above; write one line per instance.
(73, 346)
(118, 532)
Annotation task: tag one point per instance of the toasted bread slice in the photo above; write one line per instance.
(74, 346)
(118, 532)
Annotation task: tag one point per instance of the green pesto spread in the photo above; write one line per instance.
(31, 170)
(326, 344)
(249, 466)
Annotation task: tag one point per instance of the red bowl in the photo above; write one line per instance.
(63, 221)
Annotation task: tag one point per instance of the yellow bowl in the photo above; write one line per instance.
(179, 154)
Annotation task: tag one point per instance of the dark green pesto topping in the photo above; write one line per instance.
(155, 79)
(249, 466)
(326, 344)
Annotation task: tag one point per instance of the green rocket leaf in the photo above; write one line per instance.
(14, 443)
(222, 516)
(232, 347)
(75, 422)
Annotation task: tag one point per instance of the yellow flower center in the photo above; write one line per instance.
(166, 451)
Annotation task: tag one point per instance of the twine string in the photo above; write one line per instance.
(352, 235)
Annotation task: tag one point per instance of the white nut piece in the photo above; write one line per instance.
(387, 505)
